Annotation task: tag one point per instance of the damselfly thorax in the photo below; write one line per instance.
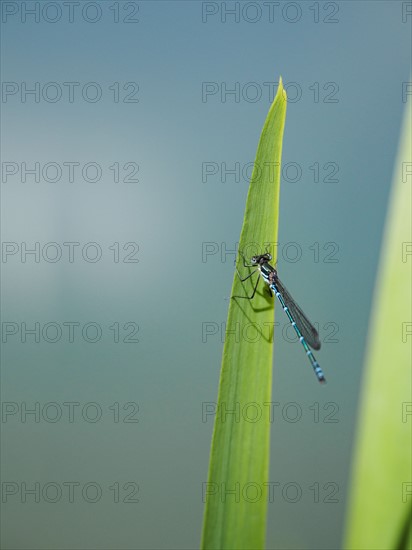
(268, 273)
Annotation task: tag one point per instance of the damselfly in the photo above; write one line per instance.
(306, 332)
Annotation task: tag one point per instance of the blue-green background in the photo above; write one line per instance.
(170, 132)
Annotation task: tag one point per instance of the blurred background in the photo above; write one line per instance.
(128, 133)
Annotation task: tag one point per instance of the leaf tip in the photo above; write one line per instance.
(281, 90)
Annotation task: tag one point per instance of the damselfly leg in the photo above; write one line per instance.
(254, 290)
(243, 279)
(247, 276)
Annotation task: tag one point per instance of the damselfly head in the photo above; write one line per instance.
(261, 259)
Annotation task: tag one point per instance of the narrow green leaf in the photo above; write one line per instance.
(236, 492)
(381, 495)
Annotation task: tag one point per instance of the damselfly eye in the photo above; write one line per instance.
(254, 260)
(269, 256)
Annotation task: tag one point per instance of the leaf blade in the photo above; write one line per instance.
(383, 457)
(239, 459)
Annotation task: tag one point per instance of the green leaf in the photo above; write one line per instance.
(236, 492)
(379, 515)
